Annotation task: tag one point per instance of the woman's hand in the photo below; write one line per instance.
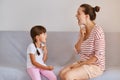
(81, 38)
(82, 32)
(77, 64)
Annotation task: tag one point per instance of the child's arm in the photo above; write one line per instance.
(32, 57)
(45, 57)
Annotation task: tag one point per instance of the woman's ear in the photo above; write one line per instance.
(87, 16)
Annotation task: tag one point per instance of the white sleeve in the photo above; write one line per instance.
(31, 49)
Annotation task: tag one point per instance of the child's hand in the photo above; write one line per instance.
(50, 68)
(45, 49)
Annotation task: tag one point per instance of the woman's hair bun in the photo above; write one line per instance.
(97, 8)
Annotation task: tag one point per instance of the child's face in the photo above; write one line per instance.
(43, 37)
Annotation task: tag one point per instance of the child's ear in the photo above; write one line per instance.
(37, 37)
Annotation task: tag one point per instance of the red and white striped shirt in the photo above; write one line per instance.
(94, 45)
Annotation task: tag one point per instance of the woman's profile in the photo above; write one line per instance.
(90, 46)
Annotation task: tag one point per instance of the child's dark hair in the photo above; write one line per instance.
(91, 11)
(37, 30)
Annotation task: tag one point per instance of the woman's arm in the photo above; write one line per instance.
(92, 60)
(80, 40)
(32, 57)
(89, 61)
(78, 45)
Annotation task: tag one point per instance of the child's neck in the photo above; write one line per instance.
(38, 44)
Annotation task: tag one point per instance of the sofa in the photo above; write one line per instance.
(13, 45)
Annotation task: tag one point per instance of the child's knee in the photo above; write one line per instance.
(53, 77)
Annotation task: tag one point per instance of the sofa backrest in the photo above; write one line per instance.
(13, 48)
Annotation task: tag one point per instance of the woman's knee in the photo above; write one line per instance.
(61, 73)
(71, 75)
(68, 76)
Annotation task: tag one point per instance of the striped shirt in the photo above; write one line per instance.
(94, 45)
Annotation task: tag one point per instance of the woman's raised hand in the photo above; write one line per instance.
(82, 31)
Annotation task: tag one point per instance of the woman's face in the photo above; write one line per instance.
(81, 17)
(42, 37)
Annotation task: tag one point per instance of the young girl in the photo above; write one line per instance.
(37, 55)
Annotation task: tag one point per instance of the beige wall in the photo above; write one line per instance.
(56, 15)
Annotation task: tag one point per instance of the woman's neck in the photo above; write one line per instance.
(89, 26)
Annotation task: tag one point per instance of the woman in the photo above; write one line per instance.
(90, 46)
